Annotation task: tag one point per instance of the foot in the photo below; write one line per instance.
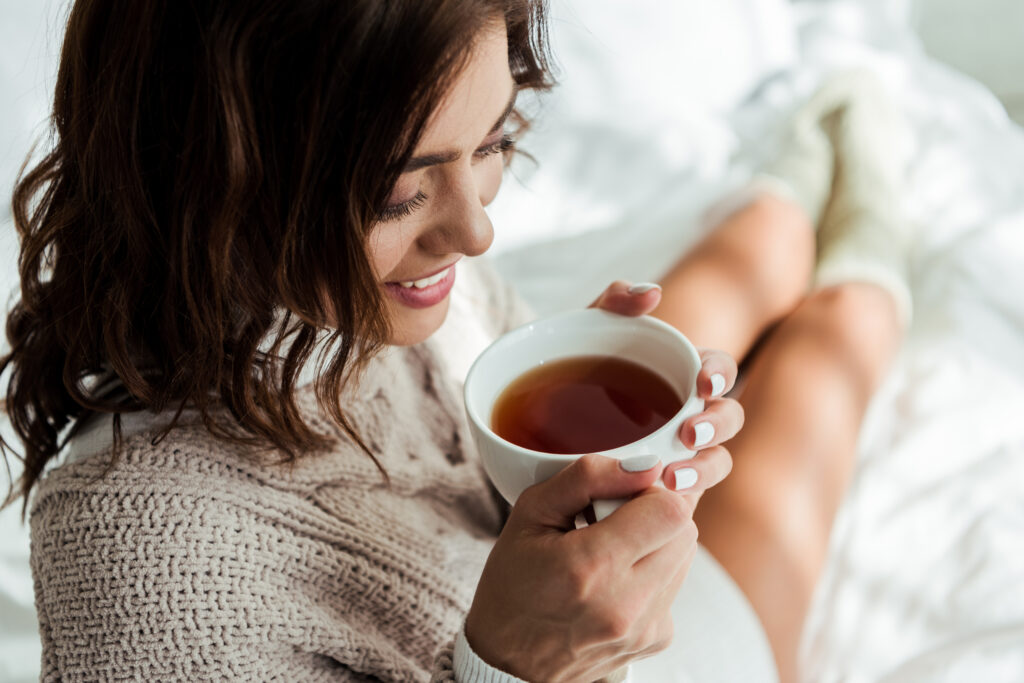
(863, 235)
(804, 169)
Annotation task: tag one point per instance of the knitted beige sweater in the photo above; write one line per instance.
(191, 561)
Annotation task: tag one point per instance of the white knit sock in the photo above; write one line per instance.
(863, 234)
(843, 161)
(802, 172)
(804, 169)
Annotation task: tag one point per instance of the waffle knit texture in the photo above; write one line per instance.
(845, 163)
(191, 559)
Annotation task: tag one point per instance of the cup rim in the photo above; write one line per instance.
(644, 320)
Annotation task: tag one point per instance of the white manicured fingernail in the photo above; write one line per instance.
(639, 463)
(717, 384)
(703, 432)
(643, 287)
(685, 478)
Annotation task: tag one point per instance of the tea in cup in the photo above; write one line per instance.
(580, 382)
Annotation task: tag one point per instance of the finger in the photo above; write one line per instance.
(641, 526)
(625, 299)
(704, 470)
(668, 596)
(660, 566)
(717, 373)
(657, 580)
(665, 570)
(556, 502)
(721, 420)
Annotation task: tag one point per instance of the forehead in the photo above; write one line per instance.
(477, 97)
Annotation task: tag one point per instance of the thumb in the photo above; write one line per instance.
(556, 502)
(631, 300)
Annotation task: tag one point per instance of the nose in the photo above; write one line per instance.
(461, 225)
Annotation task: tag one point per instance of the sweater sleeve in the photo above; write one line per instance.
(458, 663)
(174, 586)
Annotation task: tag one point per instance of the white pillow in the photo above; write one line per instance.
(643, 89)
(637, 126)
(671, 56)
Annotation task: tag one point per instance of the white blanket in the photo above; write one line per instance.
(665, 107)
(925, 581)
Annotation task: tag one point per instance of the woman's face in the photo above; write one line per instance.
(435, 213)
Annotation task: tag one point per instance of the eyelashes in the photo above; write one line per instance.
(399, 211)
(506, 144)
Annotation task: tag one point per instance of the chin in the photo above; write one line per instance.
(411, 326)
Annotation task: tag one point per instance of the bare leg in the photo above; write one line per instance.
(807, 389)
(805, 396)
(808, 385)
(749, 272)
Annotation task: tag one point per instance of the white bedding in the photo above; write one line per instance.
(665, 110)
(925, 580)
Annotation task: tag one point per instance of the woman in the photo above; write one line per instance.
(232, 267)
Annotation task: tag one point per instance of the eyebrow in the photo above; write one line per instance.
(416, 163)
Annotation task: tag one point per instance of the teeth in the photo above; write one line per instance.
(425, 282)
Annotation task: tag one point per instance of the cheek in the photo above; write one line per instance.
(489, 176)
(387, 245)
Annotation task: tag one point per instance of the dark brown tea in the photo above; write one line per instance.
(583, 405)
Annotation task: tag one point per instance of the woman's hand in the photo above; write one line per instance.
(556, 603)
(721, 419)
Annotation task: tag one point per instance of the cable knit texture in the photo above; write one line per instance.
(191, 560)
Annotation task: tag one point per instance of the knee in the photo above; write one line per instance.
(857, 331)
(857, 312)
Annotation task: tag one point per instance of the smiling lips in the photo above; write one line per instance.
(427, 281)
(425, 292)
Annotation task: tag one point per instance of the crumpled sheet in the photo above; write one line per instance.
(925, 579)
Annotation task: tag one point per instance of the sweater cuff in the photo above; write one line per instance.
(469, 668)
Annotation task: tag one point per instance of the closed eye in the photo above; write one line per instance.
(399, 211)
(393, 213)
(505, 144)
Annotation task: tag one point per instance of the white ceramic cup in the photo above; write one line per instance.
(591, 332)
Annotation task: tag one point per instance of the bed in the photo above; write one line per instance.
(665, 108)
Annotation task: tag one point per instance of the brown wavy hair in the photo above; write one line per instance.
(217, 167)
